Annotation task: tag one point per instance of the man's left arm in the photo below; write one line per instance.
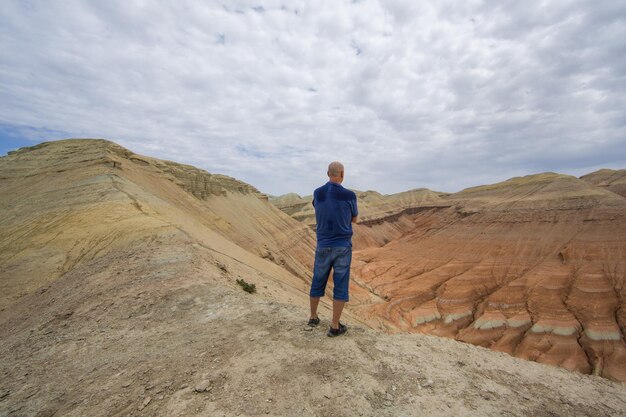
(355, 211)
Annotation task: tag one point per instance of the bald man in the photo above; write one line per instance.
(335, 211)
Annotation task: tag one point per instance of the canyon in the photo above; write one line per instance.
(533, 266)
(119, 295)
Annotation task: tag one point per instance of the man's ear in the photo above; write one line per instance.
(341, 174)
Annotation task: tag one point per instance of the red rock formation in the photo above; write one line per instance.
(533, 266)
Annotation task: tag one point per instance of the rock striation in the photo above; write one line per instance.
(67, 202)
(534, 267)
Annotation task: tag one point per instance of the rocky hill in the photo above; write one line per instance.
(67, 202)
(608, 179)
(120, 297)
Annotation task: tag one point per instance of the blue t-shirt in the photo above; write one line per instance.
(335, 207)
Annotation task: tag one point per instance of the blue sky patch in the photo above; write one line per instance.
(13, 137)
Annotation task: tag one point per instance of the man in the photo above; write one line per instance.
(335, 211)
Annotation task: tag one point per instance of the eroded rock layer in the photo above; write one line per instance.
(533, 266)
(67, 202)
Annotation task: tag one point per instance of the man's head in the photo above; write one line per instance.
(335, 172)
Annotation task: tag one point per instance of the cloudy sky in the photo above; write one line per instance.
(408, 94)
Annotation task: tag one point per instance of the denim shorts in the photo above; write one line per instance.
(339, 259)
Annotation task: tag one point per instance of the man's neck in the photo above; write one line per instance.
(335, 181)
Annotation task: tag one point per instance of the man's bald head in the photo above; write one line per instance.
(335, 171)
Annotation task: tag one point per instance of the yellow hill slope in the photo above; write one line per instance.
(67, 202)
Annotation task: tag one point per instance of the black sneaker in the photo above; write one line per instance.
(314, 322)
(336, 332)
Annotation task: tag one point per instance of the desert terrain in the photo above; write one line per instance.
(119, 296)
(533, 266)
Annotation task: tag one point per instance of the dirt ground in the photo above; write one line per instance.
(164, 330)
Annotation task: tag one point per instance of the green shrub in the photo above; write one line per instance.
(247, 287)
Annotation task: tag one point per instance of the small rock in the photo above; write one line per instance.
(203, 386)
(126, 384)
(428, 383)
(393, 388)
(389, 397)
(145, 403)
(65, 315)
(388, 403)
(308, 329)
(30, 390)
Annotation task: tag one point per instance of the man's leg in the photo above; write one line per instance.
(321, 271)
(315, 301)
(341, 278)
(337, 309)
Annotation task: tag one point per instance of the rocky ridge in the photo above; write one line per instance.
(66, 202)
(373, 206)
(609, 179)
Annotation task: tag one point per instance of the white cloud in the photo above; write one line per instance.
(407, 94)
